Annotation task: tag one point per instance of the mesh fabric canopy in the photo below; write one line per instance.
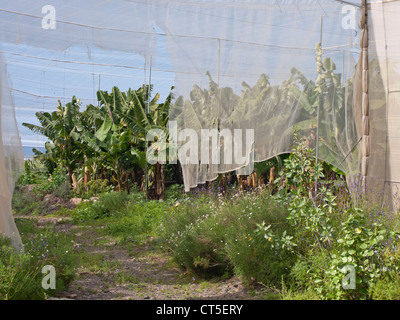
(246, 74)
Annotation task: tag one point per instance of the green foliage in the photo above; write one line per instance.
(61, 127)
(187, 237)
(113, 202)
(56, 183)
(20, 273)
(88, 211)
(362, 247)
(111, 136)
(35, 173)
(25, 203)
(93, 188)
(309, 203)
(108, 204)
(328, 243)
(387, 287)
(214, 237)
(140, 220)
(174, 193)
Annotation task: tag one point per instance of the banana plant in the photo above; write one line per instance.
(61, 129)
(128, 117)
(274, 111)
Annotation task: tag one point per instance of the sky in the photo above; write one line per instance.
(233, 43)
(39, 78)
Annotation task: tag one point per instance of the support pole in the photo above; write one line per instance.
(365, 145)
(320, 103)
(319, 106)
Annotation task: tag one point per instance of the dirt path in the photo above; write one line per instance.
(110, 271)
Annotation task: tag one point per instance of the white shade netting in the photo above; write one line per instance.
(253, 67)
(11, 159)
(246, 74)
(383, 147)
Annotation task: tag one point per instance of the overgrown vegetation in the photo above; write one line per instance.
(303, 237)
(292, 226)
(105, 142)
(21, 273)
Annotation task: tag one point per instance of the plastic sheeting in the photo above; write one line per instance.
(383, 70)
(253, 67)
(11, 159)
(246, 73)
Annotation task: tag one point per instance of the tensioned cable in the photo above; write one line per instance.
(349, 3)
(352, 149)
(159, 33)
(275, 75)
(130, 67)
(72, 70)
(246, 6)
(71, 61)
(175, 8)
(42, 96)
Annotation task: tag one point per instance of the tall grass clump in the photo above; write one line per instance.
(214, 237)
(253, 260)
(139, 220)
(130, 217)
(25, 203)
(107, 205)
(21, 273)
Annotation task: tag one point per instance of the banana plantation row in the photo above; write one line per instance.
(108, 141)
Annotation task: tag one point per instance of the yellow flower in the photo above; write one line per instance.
(358, 230)
(270, 239)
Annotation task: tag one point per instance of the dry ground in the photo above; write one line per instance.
(109, 270)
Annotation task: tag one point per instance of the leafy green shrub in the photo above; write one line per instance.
(307, 274)
(363, 247)
(55, 181)
(252, 259)
(309, 204)
(327, 242)
(29, 178)
(35, 173)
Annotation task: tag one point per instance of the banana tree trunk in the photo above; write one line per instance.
(86, 176)
(160, 180)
